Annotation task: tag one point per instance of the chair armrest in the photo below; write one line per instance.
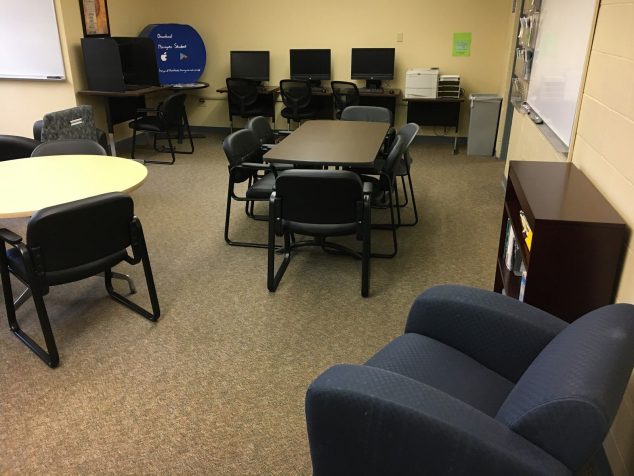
(367, 188)
(9, 237)
(500, 332)
(364, 420)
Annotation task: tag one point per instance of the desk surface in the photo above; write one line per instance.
(126, 94)
(438, 99)
(39, 182)
(261, 89)
(353, 143)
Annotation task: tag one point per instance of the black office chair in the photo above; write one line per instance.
(16, 147)
(296, 96)
(266, 136)
(68, 147)
(245, 161)
(385, 194)
(404, 168)
(345, 94)
(244, 99)
(367, 114)
(71, 242)
(168, 120)
(319, 203)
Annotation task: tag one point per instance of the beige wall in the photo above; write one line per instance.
(602, 149)
(427, 28)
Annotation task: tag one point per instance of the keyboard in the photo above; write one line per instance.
(135, 87)
(370, 90)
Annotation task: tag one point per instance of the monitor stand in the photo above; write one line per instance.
(373, 84)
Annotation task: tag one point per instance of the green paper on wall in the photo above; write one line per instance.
(461, 44)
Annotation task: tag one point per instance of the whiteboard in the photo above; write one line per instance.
(561, 49)
(30, 40)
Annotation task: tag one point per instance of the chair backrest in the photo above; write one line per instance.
(172, 110)
(367, 113)
(566, 400)
(296, 94)
(68, 147)
(241, 92)
(16, 147)
(239, 147)
(396, 151)
(261, 128)
(74, 123)
(319, 196)
(408, 134)
(345, 94)
(81, 237)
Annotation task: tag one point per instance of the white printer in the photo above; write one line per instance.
(421, 83)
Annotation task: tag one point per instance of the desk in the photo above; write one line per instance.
(121, 106)
(39, 182)
(336, 143)
(435, 112)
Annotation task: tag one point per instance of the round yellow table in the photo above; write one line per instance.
(28, 185)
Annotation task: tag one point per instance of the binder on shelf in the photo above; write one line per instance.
(510, 246)
(526, 230)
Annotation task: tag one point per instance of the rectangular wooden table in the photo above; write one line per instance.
(334, 143)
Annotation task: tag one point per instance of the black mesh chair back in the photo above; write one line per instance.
(318, 203)
(345, 94)
(262, 130)
(241, 93)
(70, 242)
(68, 147)
(367, 113)
(16, 147)
(168, 120)
(296, 96)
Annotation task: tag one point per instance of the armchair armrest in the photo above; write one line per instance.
(500, 332)
(9, 237)
(364, 420)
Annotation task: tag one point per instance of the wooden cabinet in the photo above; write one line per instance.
(577, 244)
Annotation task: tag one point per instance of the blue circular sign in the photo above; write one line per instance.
(180, 52)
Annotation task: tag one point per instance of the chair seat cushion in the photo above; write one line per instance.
(147, 123)
(320, 229)
(16, 264)
(287, 112)
(262, 188)
(440, 366)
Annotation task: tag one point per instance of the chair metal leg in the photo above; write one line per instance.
(126, 278)
(149, 279)
(227, 221)
(273, 277)
(50, 356)
(404, 204)
(414, 207)
(393, 226)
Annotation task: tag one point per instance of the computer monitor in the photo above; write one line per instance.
(138, 60)
(250, 64)
(312, 65)
(373, 65)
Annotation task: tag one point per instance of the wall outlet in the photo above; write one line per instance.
(202, 102)
(399, 37)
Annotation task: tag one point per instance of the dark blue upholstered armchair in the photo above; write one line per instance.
(479, 384)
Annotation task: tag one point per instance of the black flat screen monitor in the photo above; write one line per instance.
(310, 64)
(250, 64)
(372, 63)
(138, 60)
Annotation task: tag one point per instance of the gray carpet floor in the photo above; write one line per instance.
(217, 385)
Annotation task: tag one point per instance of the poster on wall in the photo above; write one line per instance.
(94, 17)
(180, 52)
(461, 44)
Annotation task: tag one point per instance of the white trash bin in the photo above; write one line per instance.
(483, 123)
